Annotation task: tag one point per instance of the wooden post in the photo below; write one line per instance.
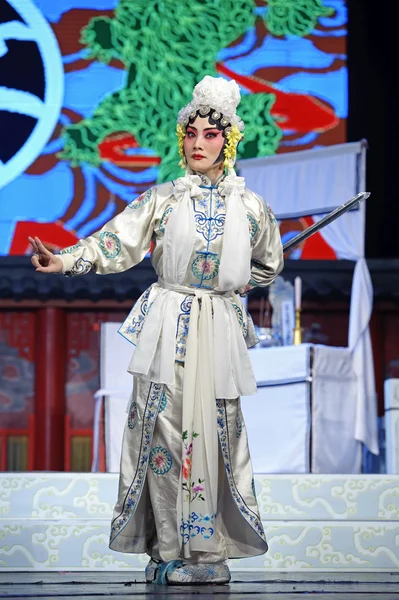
(50, 367)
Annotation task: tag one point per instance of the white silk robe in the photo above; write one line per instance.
(155, 462)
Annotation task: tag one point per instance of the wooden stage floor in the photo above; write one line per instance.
(244, 585)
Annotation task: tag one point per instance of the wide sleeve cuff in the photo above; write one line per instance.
(68, 261)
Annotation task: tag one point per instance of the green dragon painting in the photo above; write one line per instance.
(166, 47)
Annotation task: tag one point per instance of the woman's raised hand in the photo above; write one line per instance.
(44, 260)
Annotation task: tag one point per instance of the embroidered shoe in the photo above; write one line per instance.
(150, 570)
(198, 574)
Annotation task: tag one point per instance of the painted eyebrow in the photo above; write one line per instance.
(206, 129)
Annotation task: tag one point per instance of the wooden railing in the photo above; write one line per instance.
(17, 448)
(78, 449)
(23, 441)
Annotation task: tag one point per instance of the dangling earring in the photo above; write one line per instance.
(233, 136)
(181, 134)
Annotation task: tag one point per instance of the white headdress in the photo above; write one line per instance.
(216, 94)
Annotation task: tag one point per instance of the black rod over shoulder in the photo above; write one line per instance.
(337, 212)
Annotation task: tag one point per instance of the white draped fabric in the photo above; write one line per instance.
(310, 182)
(313, 182)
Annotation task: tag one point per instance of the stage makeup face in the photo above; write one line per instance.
(202, 147)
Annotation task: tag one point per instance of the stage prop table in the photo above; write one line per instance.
(300, 421)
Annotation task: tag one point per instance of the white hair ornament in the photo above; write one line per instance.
(217, 95)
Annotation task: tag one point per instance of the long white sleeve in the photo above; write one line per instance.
(121, 244)
(267, 253)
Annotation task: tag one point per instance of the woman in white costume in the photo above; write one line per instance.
(186, 492)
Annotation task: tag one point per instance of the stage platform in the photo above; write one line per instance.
(313, 523)
(244, 585)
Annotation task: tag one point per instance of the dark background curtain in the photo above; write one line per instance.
(373, 65)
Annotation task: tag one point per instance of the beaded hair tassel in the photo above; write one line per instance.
(181, 134)
(233, 136)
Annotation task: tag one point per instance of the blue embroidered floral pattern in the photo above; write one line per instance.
(238, 425)
(270, 213)
(110, 244)
(160, 460)
(165, 219)
(202, 201)
(197, 524)
(253, 226)
(81, 267)
(132, 416)
(206, 181)
(218, 203)
(251, 518)
(70, 249)
(134, 493)
(206, 265)
(163, 403)
(239, 314)
(141, 200)
(209, 216)
(133, 325)
(182, 328)
(181, 336)
(209, 228)
(240, 317)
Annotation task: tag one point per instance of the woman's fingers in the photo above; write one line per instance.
(49, 269)
(35, 260)
(41, 269)
(33, 244)
(42, 248)
(44, 260)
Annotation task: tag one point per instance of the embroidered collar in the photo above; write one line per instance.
(207, 182)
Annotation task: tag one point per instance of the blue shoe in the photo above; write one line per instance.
(183, 573)
(151, 570)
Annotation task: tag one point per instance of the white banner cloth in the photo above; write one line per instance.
(308, 182)
(313, 182)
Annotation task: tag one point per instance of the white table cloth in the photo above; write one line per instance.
(391, 405)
